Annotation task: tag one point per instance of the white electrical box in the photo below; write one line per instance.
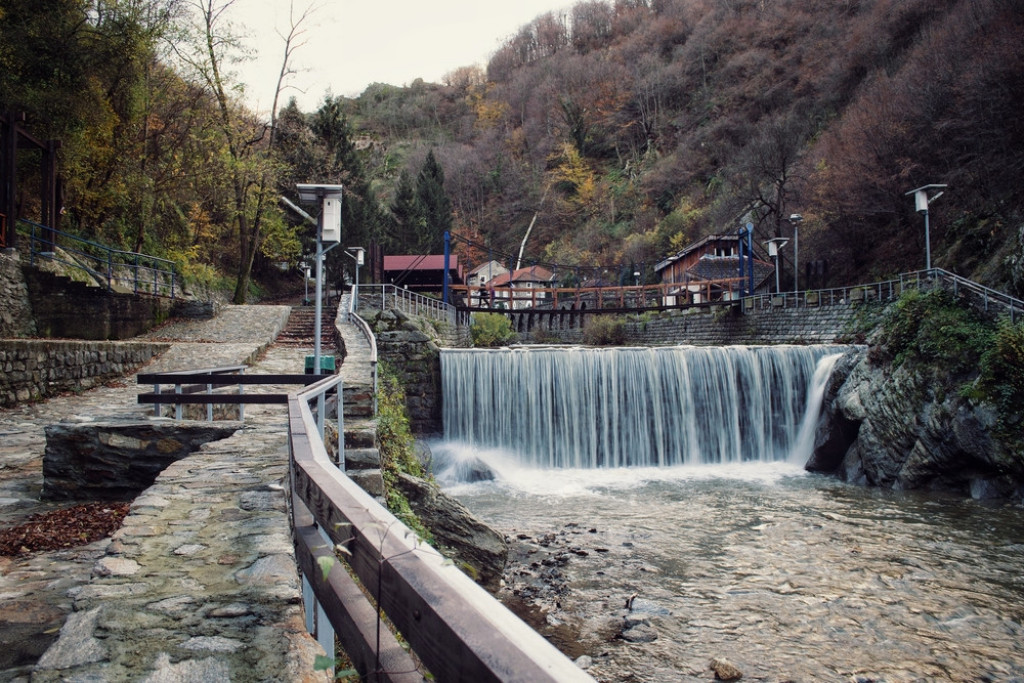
(331, 222)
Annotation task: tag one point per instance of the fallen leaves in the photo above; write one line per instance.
(64, 528)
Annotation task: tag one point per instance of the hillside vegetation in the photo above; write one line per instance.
(623, 130)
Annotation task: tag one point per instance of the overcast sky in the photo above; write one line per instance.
(350, 43)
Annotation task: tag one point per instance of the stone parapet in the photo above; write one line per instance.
(33, 369)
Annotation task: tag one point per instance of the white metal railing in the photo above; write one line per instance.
(887, 290)
(364, 327)
(400, 299)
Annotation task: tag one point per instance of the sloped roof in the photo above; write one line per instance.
(420, 262)
(523, 275)
(725, 267)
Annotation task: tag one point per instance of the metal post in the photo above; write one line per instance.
(447, 258)
(750, 255)
(927, 244)
(209, 406)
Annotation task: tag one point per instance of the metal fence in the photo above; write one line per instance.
(390, 297)
(116, 268)
(978, 295)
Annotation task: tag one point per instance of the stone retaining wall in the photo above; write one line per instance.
(35, 369)
(716, 326)
(15, 311)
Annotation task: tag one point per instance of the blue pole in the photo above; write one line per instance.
(750, 255)
(447, 259)
(740, 260)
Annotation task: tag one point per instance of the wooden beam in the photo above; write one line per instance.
(459, 630)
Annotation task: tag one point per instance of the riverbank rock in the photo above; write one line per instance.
(898, 427)
(462, 537)
(725, 670)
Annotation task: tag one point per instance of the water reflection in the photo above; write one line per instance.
(791, 576)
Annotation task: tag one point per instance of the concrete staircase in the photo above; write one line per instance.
(302, 325)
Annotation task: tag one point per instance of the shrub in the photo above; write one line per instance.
(491, 329)
(605, 330)
(933, 328)
(1002, 374)
(396, 448)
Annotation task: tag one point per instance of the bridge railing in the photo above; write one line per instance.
(128, 270)
(612, 297)
(456, 629)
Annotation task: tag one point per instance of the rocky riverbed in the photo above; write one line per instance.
(659, 575)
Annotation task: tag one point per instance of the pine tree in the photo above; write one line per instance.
(407, 219)
(434, 205)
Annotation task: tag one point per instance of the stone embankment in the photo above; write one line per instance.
(706, 326)
(200, 582)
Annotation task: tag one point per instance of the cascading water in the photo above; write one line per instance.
(625, 407)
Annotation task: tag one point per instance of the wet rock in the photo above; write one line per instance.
(725, 670)
(465, 539)
(639, 633)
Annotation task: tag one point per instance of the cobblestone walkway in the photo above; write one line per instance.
(200, 582)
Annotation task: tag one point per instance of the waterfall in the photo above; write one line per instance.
(623, 407)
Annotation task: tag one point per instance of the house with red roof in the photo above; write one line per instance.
(517, 288)
(423, 274)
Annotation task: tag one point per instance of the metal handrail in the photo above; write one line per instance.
(364, 327)
(886, 290)
(147, 274)
(397, 298)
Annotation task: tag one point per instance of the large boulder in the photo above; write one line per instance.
(117, 460)
(471, 544)
(897, 427)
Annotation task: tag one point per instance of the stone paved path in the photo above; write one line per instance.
(200, 583)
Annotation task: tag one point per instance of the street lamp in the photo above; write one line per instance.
(921, 201)
(774, 244)
(795, 219)
(328, 230)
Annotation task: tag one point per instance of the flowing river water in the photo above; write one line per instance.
(652, 572)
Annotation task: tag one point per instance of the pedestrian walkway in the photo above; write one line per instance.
(200, 581)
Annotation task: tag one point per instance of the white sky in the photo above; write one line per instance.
(352, 43)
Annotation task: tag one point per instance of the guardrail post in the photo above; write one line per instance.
(241, 406)
(156, 406)
(209, 406)
(177, 406)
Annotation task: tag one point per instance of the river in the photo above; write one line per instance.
(788, 575)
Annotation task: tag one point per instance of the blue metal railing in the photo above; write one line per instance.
(116, 268)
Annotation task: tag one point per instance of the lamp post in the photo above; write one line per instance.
(774, 244)
(921, 201)
(795, 219)
(328, 230)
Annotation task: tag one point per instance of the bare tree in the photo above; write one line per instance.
(250, 143)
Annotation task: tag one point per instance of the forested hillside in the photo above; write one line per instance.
(622, 130)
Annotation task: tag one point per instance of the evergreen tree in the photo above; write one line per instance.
(434, 206)
(406, 218)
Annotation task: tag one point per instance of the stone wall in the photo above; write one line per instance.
(35, 369)
(15, 311)
(65, 308)
(412, 347)
(709, 326)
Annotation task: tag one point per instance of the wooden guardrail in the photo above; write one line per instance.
(458, 630)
